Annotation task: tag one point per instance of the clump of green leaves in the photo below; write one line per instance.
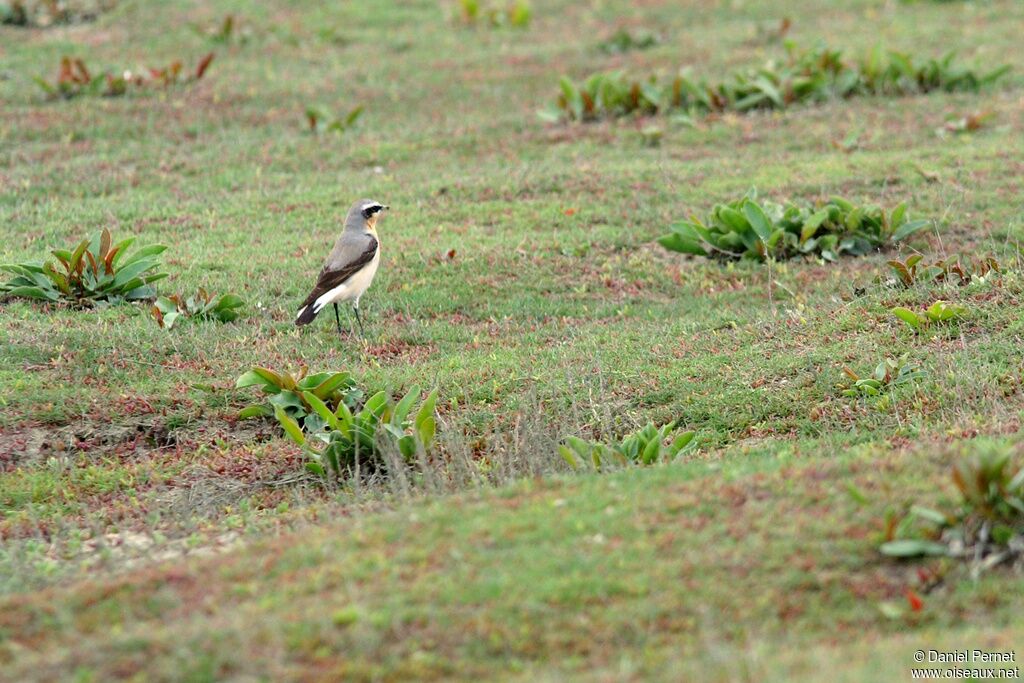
(988, 527)
(889, 374)
(74, 79)
(624, 41)
(514, 13)
(167, 310)
(939, 312)
(293, 394)
(350, 440)
(913, 271)
(173, 74)
(97, 270)
(808, 76)
(644, 447)
(320, 121)
(606, 95)
(748, 228)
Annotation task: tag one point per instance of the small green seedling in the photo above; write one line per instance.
(320, 122)
(939, 312)
(908, 272)
(623, 41)
(167, 310)
(912, 271)
(516, 13)
(890, 373)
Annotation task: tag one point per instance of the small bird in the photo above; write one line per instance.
(350, 268)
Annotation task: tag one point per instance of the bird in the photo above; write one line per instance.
(350, 268)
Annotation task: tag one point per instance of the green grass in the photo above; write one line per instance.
(557, 315)
(562, 578)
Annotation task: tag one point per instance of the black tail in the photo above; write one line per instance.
(306, 315)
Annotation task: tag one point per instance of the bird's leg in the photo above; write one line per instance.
(337, 317)
(355, 307)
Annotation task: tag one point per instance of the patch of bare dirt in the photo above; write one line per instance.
(30, 445)
(400, 350)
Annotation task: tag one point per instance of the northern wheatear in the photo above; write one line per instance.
(350, 268)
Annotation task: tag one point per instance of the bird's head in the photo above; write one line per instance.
(364, 214)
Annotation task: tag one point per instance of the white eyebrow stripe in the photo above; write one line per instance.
(372, 205)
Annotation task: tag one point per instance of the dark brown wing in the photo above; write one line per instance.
(329, 279)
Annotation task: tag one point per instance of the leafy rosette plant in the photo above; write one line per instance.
(95, 271)
(938, 313)
(749, 229)
(889, 374)
(606, 94)
(644, 447)
(204, 306)
(293, 395)
(988, 527)
(349, 440)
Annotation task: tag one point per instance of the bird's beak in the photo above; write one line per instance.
(387, 208)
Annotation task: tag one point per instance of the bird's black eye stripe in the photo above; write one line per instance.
(370, 210)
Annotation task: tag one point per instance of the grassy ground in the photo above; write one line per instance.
(753, 559)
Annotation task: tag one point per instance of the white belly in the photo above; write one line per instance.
(352, 288)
